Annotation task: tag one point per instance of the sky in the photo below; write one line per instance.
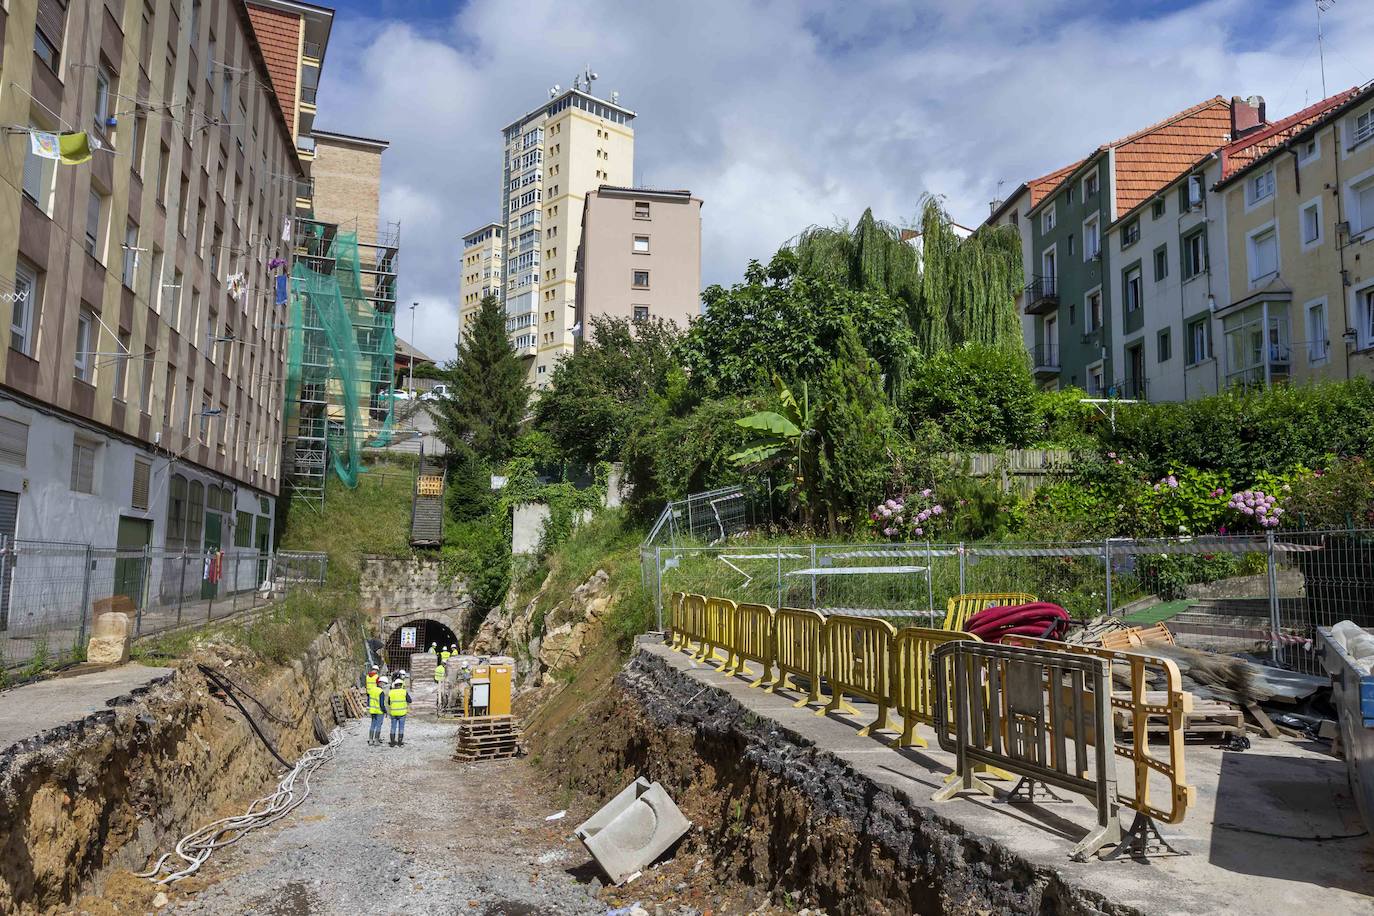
(784, 114)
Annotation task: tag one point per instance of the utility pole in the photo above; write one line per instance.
(410, 360)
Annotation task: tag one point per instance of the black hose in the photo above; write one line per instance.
(228, 691)
(267, 712)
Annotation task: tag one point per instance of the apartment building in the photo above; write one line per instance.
(553, 157)
(1300, 252)
(640, 256)
(1071, 271)
(482, 255)
(140, 394)
(1177, 243)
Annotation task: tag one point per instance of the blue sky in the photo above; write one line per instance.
(782, 114)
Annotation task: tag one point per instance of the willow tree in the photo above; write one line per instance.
(955, 289)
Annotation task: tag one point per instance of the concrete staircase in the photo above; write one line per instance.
(427, 505)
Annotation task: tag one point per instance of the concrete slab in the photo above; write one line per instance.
(34, 708)
(1274, 828)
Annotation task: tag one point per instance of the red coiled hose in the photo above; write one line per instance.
(1039, 618)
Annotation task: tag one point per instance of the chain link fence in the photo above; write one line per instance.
(1264, 593)
(51, 591)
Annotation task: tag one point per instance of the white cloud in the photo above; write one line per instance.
(784, 114)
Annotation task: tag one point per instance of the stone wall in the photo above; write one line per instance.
(395, 589)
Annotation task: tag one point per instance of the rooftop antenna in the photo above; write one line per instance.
(587, 77)
(1322, 7)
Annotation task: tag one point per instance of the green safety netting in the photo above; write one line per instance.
(341, 355)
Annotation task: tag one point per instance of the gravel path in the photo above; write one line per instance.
(406, 831)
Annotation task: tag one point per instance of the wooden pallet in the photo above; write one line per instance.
(1210, 719)
(487, 738)
(336, 704)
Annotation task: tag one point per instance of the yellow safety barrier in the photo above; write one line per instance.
(430, 485)
(962, 607)
(856, 660)
(797, 651)
(691, 624)
(1138, 706)
(752, 641)
(913, 690)
(717, 634)
(674, 619)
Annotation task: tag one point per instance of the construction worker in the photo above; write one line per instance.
(444, 653)
(398, 703)
(439, 672)
(376, 686)
(464, 684)
(372, 674)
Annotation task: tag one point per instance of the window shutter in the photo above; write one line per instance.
(143, 473)
(83, 468)
(52, 17)
(14, 442)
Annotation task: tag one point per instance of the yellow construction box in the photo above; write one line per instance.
(490, 692)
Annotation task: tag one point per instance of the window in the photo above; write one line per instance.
(1194, 254)
(642, 209)
(1095, 386)
(143, 475)
(14, 442)
(1317, 346)
(1157, 210)
(104, 81)
(1089, 186)
(25, 308)
(130, 253)
(121, 366)
(639, 279)
(174, 301)
(176, 513)
(1310, 219)
(95, 217)
(1263, 254)
(1163, 346)
(1259, 187)
(641, 244)
(1070, 243)
(641, 313)
(1364, 316)
(1130, 233)
(38, 176)
(1131, 289)
(145, 394)
(84, 361)
(1192, 192)
(1308, 150)
(1161, 262)
(1092, 239)
(1199, 341)
(195, 20)
(140, 143)
(1362, 206)
(1364, 127)
(83, 466)
(1047, 219)
(1094, 311)
(47, 35)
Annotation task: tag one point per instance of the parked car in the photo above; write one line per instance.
(435, 393)
(400, 394)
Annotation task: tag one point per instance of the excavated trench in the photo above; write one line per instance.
(84, 804)
(784, 817)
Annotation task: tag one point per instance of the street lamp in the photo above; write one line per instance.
(410, 360)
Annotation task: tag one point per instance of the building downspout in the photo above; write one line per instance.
(1349, 345)
(1211, 300)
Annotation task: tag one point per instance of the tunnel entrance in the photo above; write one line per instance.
(416, 636)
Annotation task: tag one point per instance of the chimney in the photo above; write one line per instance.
(993, 205)
(1247, 115)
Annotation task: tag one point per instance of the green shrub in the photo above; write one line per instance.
(978, 398)
(1338, 495)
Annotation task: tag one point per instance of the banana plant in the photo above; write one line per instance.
(780, 439)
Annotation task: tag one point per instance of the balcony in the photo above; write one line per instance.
(1045, 362)
(310, 54)
(305, 148)
(1132, 389)
(1042, 295)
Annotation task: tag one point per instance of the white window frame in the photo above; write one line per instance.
(1362, 314)
(1048, 218)
(1316, 141)
(104, 93)
(1311, 205)
(1095, 223)
(634, 244)
(1090, 326)
(1307, 309)
(1357, 136)
(1126, 288)
(1097, 367)
(1092, 178)
(22, 321)
(1251, 187)
(1196, 182)
(1360, 222)
(1053, 252)
(1206, 354)
(1202, 265)
(83, 365)
(1250, 248)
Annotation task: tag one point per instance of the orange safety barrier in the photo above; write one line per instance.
(962, 607)
(718, 633)
(1135, 708)
(752, 633)
(691, 623)
(797, 651)
(913, 690)
(856, 660)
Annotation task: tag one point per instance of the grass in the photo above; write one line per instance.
(1158, 612)
(373, 517)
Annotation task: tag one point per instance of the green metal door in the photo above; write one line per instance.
(212, 543)
(264, 536)
(134, 534)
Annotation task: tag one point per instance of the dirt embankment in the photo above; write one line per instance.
(97, 797)
(775, 813)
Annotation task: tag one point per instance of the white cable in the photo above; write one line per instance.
(195, 847)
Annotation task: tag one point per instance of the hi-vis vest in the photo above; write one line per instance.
(396, 701)
(444, 654)
(438, 674)
(374, 698)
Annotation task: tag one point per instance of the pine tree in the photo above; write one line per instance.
(487, 390)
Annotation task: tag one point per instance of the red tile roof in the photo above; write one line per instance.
(1240, 155)
(1039, 187)
(279, 34)
(1150, 159)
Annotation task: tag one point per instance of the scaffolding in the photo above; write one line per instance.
(341, 359)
